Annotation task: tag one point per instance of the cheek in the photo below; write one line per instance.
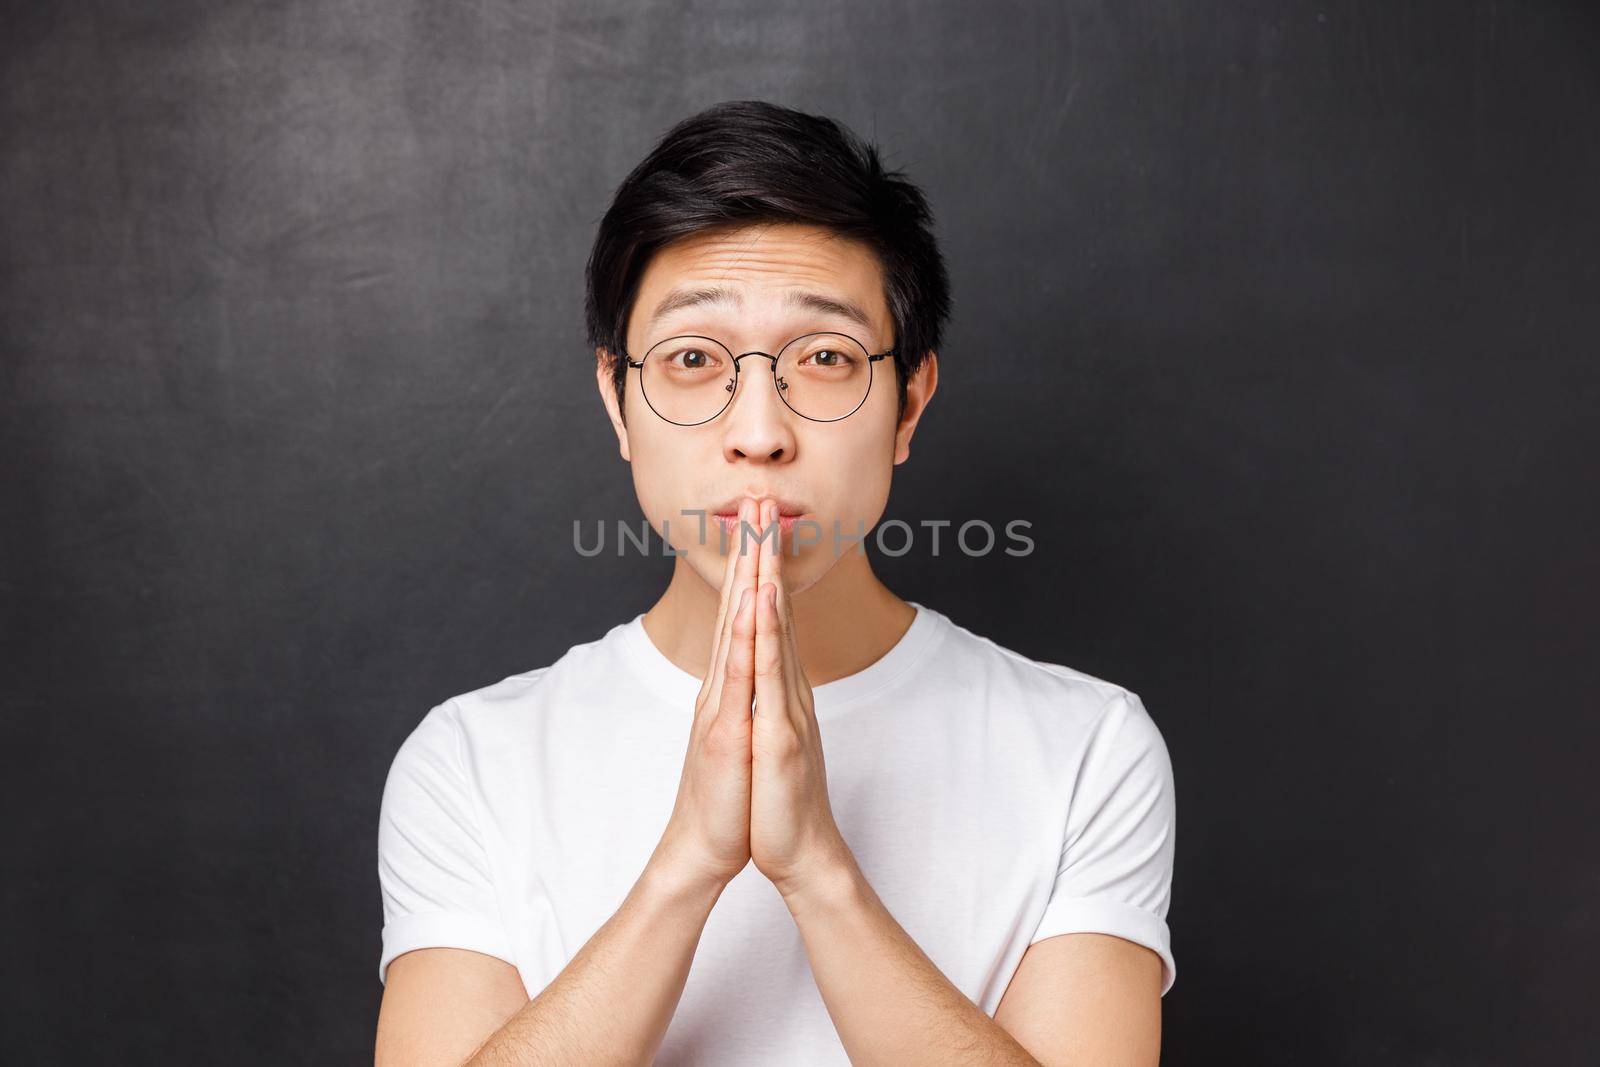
(657, 474)
(866, 497)
(857, 498)
(669, 477)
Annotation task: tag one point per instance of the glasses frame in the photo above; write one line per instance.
(638, 364)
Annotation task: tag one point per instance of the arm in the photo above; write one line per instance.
(1086, 998)
(613, 1001)
(1091, 998)
(1075, 999)
(887, 1000)
(611, 1004)
(1087, 991)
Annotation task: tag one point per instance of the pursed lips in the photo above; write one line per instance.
(789, 512)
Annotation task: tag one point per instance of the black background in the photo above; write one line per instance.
(1276, 319)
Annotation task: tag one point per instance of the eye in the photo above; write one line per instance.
(830, 357)
(691, 359)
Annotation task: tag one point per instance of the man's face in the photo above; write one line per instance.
(832, 471)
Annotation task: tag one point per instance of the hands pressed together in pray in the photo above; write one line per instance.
(754, 788)
(754, 785)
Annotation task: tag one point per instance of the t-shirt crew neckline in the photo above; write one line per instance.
(676, 685)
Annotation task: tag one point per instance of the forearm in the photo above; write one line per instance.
(612, 1002)
(888, 1001)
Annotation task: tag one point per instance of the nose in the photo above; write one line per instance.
(758, 423)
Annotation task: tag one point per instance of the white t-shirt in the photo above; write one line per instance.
(991, 800)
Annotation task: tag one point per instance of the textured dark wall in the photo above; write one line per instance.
(1276, 319)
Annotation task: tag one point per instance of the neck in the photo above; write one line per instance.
(844, 622)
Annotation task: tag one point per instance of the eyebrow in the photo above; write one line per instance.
(679, 299)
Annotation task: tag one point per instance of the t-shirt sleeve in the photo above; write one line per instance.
(1115, 875)
(435, 877)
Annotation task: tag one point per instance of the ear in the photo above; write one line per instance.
(605, 362)
(919, 390)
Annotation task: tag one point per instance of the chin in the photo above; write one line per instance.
(799, 572)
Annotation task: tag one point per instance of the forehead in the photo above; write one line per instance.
(765, 266)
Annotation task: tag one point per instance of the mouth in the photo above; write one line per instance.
(789, 513)
(730, 524)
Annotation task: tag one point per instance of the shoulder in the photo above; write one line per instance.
(1056, 690)
(494, 712)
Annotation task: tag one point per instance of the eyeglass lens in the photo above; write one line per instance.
(690, 379)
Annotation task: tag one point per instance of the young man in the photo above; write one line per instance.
(980, 869)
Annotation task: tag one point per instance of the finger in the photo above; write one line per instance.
(739, 670)
(743, 578)
(769, 567)
(772, 571)
(726, 605)
(771, 691)
(749, 521)
(794, 674)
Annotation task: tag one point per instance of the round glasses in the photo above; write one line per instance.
(690, 379)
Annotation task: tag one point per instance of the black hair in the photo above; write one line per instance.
(743, 162)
